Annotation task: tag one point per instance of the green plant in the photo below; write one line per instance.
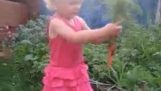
(30, 54)
(137, 59)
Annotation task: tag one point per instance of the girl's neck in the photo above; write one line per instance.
(64, 16)
(67, 19)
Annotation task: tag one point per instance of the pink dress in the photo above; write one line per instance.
(66, 70)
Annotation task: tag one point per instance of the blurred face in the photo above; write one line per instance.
(68, 8)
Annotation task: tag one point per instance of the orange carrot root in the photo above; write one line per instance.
(111, 49)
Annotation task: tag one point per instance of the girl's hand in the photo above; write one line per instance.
(113, 30)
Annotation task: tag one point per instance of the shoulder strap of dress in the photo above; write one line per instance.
(77, 23)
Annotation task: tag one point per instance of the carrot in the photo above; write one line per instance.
(111, 49)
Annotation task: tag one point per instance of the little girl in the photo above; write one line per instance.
(67, 33)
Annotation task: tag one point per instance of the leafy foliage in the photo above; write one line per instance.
(137, 59)
(30, 54)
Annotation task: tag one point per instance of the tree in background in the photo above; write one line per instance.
(158, 13)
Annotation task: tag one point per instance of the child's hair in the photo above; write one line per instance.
(49, 4)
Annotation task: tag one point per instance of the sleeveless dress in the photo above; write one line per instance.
(66, 70)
